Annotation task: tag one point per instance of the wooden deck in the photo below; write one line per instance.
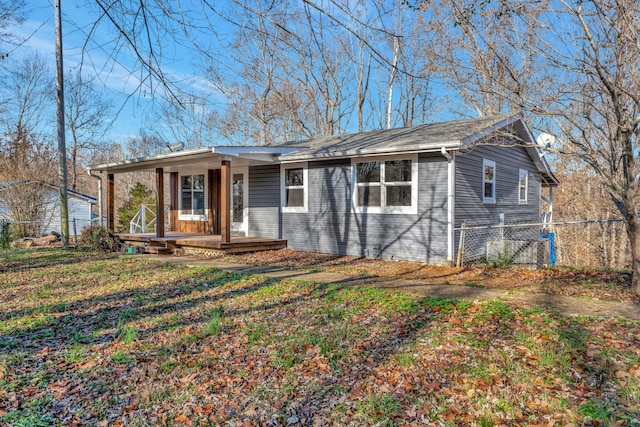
(174, 240)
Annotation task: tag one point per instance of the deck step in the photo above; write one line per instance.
(150, 243)
(158, 250)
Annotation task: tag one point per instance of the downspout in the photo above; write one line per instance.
(451, 175)
(550, 205)
(99, 178)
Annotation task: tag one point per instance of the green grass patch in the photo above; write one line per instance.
(381, 409)
(33, 417)
(213, 326)
(121, 357)
(255, 332)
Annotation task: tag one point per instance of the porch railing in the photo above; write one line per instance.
(144, 221)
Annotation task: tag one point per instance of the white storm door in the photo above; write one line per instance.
(240, 201)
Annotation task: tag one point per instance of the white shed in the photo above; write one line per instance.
(80, 206)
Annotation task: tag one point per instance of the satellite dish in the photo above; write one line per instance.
(545, 140)
(178, 146)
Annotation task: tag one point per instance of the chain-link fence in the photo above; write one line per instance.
(585, 243)
(595, 244)
(502, 244)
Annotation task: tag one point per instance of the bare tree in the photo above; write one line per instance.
(145, 144)
(12, 12)
(191, 122)
(87, 119)
(288, 74)
(582, 197)
(291, 83)
(484, 52)
(574, 65)
(26, 161)
(26, 196)
(599, 112)
(27, 93)
(407, 80)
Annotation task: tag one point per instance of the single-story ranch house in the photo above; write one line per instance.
(395, 193)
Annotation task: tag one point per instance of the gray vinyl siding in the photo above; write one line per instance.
(264, 201)
(330, 226)
(469, 206)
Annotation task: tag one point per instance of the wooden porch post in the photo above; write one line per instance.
(215, 200)
(173, 201)
(159, 202)
(225, 200)
(110, 203)
(211, 206)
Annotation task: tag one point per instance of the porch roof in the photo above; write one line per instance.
(203, 158)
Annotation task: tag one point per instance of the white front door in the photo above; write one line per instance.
(240, 201)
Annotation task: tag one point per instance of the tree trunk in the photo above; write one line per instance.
(634, 240)
(74, 167)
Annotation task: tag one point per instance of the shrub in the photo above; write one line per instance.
(98, 238)
(139, 195)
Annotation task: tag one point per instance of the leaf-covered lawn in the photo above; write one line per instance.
(603, 285)
(96, 339)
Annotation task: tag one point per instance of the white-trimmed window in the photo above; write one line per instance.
(192, 197)
(488, 181)
(385, 184)
(294, 180)
(523, 186)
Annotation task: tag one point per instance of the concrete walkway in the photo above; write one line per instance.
(569, 306)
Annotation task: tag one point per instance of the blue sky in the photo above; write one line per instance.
(115, 78)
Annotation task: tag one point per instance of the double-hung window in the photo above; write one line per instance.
(385, 185)
(523, 185)
(488, 181)
(192, 197)
(294, 187)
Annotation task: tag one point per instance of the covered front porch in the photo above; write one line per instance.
(208, 199)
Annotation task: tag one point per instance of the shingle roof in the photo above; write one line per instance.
(422, 137)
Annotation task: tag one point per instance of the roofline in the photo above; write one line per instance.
(488, 130)
(129, 163)
(53, 187)
(82, 196)
(287, 154)
(369, 153)
(529, 144)
(261, 153)
(538, 159)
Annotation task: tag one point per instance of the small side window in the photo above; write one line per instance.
(488, 181)
(294, 187)
(523, 186)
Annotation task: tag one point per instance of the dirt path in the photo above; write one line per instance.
(569, 306)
